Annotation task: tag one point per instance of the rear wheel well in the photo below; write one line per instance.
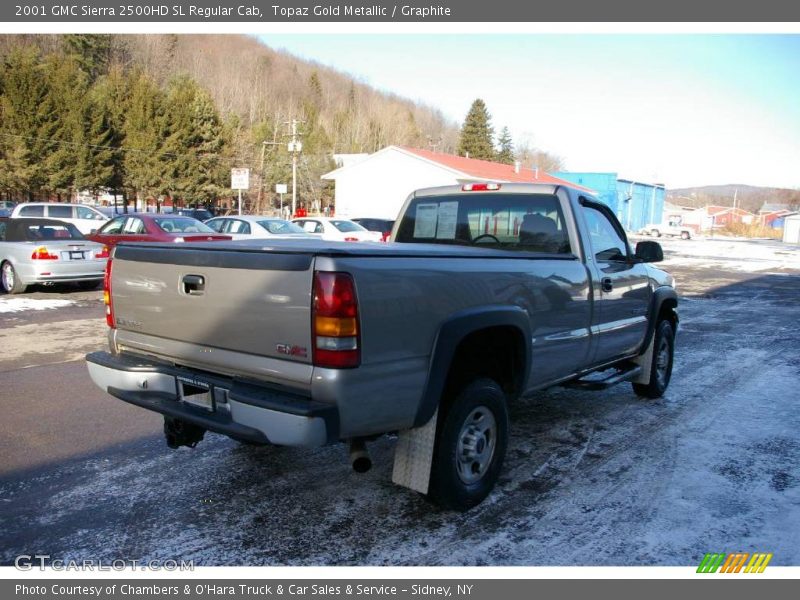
(497, 353)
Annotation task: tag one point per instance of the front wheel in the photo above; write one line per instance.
(11, 282)
(685, 235)
(655, 233)
(661, 367)
(470, 446)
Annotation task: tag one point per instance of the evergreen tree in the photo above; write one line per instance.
(27, 126)
(111, 98)
(144, 136)
(196, 172)
(96, 153)
(505, 154)
(477, 133)
(92, 51)
(63, 110)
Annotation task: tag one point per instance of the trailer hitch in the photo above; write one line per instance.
(181, 433)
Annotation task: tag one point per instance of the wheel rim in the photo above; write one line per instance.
(8, 277)
(662, 363)
(476, 445)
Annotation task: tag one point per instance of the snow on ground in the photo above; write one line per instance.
(590, 478)
(17, 304)
(747, 256)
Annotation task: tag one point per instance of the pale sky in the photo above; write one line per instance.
(684, 110)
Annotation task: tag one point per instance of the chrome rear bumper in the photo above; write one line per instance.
(240, 409)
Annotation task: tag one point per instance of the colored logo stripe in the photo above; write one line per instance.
(758, 563)
(734, 562)
(711, 563)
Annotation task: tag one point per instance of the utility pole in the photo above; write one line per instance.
(261, 177)
(295, 147)
(264, 145)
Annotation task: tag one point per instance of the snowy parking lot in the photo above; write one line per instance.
(590, 478)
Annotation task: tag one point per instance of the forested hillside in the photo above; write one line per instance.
(158, 115)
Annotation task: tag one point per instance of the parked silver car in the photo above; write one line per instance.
(248, 227)
(47, 251)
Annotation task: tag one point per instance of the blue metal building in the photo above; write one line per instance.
(635, 203)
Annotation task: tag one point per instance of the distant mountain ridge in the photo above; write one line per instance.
(748, 197)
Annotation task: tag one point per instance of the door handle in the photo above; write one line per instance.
(194, 285)
(607, 284)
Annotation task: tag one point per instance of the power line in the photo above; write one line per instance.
(85, 145)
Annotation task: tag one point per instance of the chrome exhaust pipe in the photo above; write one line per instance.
(359, 456)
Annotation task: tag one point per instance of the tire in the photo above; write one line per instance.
(655, 233)
(10, 281)
(661, 367)
(471, 442)
(87, 286)
(685, 235)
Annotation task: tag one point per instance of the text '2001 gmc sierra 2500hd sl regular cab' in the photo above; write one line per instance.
(488, 292)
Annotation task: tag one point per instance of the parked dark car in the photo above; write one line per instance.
(6, 206)
(384, 226)
(153, 227)
(201, 214)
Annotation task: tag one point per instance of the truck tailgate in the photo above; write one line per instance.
(255, 303)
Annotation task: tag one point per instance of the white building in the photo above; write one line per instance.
(791, 229)
(377, 186)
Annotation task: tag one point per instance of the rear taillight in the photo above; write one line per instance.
(42, 253)
(107, 296)
(103, 253)
(335, 321)
(480, 187)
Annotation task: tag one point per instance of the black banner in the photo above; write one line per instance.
(455, 11)
(399, 589)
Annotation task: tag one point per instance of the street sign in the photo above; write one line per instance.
(281, 188)
(240, 179)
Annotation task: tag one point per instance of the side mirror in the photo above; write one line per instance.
(649, 252)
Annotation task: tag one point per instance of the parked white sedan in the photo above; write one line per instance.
(248, 227)
(337, 230)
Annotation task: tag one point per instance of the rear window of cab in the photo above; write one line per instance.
(525, 222)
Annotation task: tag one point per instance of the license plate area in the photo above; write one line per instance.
(194, 392)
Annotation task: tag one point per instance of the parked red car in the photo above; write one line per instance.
(148, 227)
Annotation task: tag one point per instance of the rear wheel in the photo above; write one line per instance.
(655, 233)
(470, 446)
(661, 367)
(685, 235)
(11, 282)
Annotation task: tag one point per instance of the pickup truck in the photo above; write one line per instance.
(486, 292)
(672, 229)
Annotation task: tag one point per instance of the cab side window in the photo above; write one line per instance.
(134, 226)
(237, 226)
(59, 212)
(607, 243)
(84, 212)
(113, 227)
(218, 225)
(31, 211)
